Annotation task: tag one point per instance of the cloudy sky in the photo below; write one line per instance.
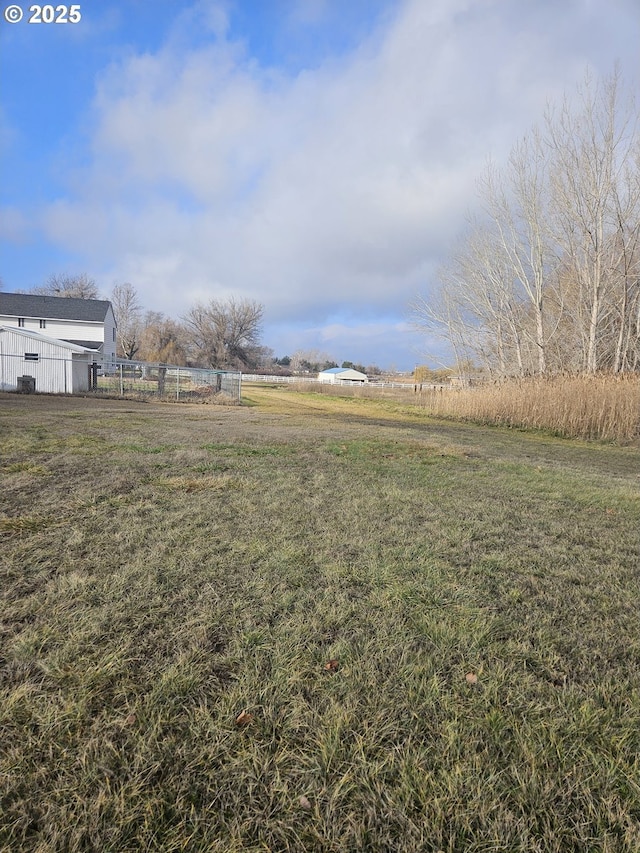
(319, 156)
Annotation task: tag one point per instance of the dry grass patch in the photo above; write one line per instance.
(27, 468)
(15, 525)
(198, 484)
(397, 634)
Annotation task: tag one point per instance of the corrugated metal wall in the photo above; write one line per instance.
(57, 370)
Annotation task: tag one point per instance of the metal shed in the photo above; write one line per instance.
(31, 361)
(342, 375)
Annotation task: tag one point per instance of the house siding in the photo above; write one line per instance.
(64, 330)
(109, 339)
(97, 326)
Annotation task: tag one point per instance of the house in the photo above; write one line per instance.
(31, 361)
(87, 323)
(342, 375)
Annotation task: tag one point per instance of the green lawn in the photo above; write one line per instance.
(313, 624)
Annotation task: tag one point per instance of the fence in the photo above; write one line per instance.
(75, 374)
(285, 380)
(346, 383)
(169, 382)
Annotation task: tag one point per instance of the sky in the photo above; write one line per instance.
(318, 156)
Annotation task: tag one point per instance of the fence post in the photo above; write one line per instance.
(121, 382)
(178, 385)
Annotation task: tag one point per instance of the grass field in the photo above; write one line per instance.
(601, 407)
(313, 624)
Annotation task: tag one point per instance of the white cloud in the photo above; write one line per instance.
(335, 190)
(307, 12)
(14, 225)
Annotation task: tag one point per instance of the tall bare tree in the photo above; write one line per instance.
(226, 333)
(79, 286)
(549, 277)
(593, 150)
(516, 203)
(477, 306)
(128, 314)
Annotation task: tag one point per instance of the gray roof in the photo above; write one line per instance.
(92, 345)
(53, 307)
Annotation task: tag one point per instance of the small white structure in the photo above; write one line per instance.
(84, 322)
(342, 375)
(35, 362)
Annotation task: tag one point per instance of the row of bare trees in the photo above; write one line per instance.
(547, 276)
(220, 333)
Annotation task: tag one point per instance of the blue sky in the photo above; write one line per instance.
(319, 156)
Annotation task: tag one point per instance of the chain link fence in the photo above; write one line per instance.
(76, 373)
(169, 382)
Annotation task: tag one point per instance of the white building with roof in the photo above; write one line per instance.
(342, 375)
(87, 323)
(29, 360)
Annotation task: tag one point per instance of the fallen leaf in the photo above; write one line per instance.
(471, 678)
(331, 665)
(304, 803)
(244, 718)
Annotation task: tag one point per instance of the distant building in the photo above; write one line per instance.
(342, 376)
(87, 323)
(30, 361)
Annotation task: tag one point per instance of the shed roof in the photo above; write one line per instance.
(349, 370)
(94, 346)
(54, 307)
(36, 336)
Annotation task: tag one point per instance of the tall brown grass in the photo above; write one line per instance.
(587, 407)
(605, 408)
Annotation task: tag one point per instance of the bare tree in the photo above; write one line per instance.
(128, 314)
(626, 266)
(516, 203)
(491, 299)
(226, 333)
(592, 150)
(311, 361)
(549, 277)
(77, 286)
(476, 307)
(163, 340)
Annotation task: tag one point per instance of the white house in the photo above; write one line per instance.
(342, 375)
(87, 323)
(52, 366)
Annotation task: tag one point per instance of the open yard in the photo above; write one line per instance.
(313, 624)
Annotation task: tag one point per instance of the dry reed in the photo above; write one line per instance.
(587, 407)
(601, 407)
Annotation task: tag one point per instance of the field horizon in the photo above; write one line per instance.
(312, 623)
